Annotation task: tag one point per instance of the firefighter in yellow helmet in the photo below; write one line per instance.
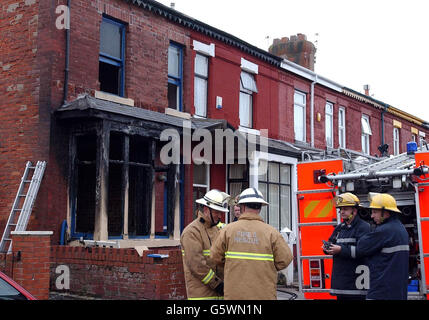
(386, 249)
(343, 239)
(251, 251)
(204, 280)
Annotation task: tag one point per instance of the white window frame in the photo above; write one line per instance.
(329, 119)
(342, 127)
(200, 97)
(422, 138)
(207, 184)
(395, 141)
(255, 170)
(247, 88)
(302, 108)
(366, 133)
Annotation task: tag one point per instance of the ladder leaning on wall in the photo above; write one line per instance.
(23, 204)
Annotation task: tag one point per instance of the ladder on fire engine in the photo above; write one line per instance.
(422, 218)
(23, 204)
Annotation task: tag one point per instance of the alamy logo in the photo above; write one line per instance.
(362, 281)
(228, 146)
(63, 20)
(62, 282)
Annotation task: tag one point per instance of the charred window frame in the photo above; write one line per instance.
(129, 175)
(129, 191)
(84, 156)
(112, 56)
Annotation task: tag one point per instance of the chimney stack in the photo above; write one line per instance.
(296, 49)
(172, 5)
(366, 88)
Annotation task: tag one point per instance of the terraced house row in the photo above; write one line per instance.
(92, 97)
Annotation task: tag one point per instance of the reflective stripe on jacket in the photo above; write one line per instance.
(252, 253)
(387, 249)
(201, 274)
(345, 270)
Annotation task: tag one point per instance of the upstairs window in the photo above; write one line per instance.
(366, 133)
(112, 57)
(329, 124)
(395, 141)
(175, 76)
(299, 115)
(342, 128)
(247, 88)
(200, 84)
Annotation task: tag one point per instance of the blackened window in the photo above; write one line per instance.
(129, 181)
(85, 175)
(111, 60)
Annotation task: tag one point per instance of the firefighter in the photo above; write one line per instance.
(387, 249)
(203, 278)
(346, 270)
(237, 211)
(251, 251)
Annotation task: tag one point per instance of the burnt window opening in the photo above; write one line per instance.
(124, 188)
(129, 185)
(130, 179)
(85, 170)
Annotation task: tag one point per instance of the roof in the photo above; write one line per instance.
(199, 26)
(89, 103)
(381, 105)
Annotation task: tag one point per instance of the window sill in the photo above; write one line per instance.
(113, 98)
(134, 243)
(249, 130)
(176, 113)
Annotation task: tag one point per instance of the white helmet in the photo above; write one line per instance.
(216, 200)
(251, 195)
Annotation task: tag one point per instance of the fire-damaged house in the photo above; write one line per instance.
(101, 98)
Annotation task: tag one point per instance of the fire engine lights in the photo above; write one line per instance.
(315, 274)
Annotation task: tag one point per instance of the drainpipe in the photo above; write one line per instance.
(67, 62)
(382, 125)
(312, 111)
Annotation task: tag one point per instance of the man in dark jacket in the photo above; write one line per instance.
(387, 250)
(350, 276)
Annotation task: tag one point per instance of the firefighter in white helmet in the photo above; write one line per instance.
(251, 251)
(346, 269)
(204, 280)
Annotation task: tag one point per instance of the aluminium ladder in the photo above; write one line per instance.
(27, 191)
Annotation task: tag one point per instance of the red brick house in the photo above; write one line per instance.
(93, 100)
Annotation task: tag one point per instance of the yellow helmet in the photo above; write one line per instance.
(383, 201)
(347, 199)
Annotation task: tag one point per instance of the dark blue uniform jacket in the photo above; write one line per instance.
(387, 249)
(344, 270)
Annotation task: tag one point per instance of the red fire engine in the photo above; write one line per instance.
(404, 176)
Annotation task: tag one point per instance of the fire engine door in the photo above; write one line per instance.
(317, 217)
(422, 215)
